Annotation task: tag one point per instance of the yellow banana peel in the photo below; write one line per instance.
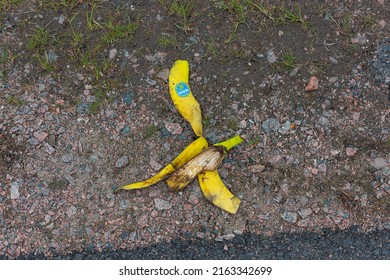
(215, 191)
(208, 160)
(197, 159)
(182, 97)
(187, 154)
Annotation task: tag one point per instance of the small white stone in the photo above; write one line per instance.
(61, 19)
(113, 53)
(14, 190)
(161, 204)
(242, 124)
(72, 210)
(49, 149)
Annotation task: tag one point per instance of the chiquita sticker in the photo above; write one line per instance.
(182, 89)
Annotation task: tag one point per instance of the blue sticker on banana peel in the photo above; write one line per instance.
(182, 89)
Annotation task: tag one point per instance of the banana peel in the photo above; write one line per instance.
(187, 154)
(182, 96)
(197, 159)
(208, 160)
(215, 191)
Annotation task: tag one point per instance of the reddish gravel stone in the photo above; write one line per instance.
(312, 85)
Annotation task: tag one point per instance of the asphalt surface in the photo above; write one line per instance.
(351, 244)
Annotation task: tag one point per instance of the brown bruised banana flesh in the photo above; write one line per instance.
(208, 160)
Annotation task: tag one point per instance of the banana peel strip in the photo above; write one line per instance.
(187, 154)
(230, 143)
(213, 187)
(182, 96)
(216, 192)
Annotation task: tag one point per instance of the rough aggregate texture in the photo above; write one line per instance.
(85, 108)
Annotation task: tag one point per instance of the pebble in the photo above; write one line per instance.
(14, 190)
(41, 87)
(285, 127)
(360, 39)
(83, 107)
(257, 168)
(193, 199)
(113, 53)
(254, 180)
(40, 135)
(33, 141)
(219, 238)
(61, 19)
(290, 217)
(350, 151)
(303, 200)
(228, 236)
(72, 210)
(270, 125)
(299, 108)
(322, 167)
(174, 128)
(304, 223)
(47, 218)
(133, 236)
(151, 82)
(304, 213)
(312, 84)
(224, 173)
(356, 116)
(163, 75)
(333, 60)
(70, 179)
(161, 204)
(334, 152)
(155, 165)
(125, 130)
(48, 148)
(122, 162)
(127, 98)
(51, 56)
(51, 140)
(187, 207)
(284, 188)
(379, 163)
(143, 221)
(238, 231)
(271, 56)
(314, 171)
(111, 114)
(242, 124)
(30, 169)
(67, 158)
(364, 200)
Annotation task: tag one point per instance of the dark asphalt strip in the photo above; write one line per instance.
(351, 244)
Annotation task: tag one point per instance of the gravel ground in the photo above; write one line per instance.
(84, 109)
